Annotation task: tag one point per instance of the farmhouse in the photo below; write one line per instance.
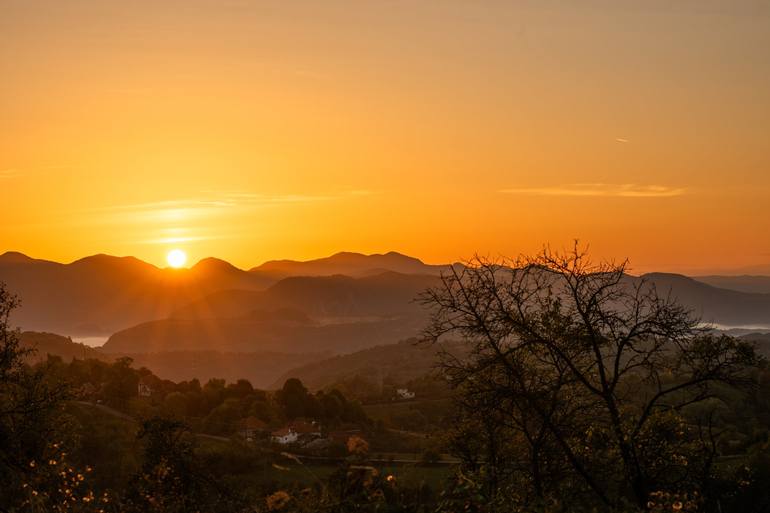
(284, 436)
(144, 389)
(297, 430)
(404, 393)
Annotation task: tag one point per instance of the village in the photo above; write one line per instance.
(319, 425)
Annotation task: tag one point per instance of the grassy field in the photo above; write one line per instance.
(421, 416)
(307, 474)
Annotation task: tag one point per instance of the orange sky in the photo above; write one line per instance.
(255, 130)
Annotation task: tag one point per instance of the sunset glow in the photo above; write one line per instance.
(259, 130)
(385, 255)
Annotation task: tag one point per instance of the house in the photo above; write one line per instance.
(144, 389)
(305, 429)
(251, 428)
(296, 430)
(284, 436)
(404, 393)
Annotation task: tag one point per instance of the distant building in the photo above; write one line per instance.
(303, 427)
(144, 389)
(297, 430)
(251, 428)
(284, 436)
(404, 393)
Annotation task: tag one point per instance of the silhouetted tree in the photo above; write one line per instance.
(171, 479)
(29, 409)
(295, 400)
(122, 383)
(589, 371)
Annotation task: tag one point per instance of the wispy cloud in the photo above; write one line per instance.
(210, 200)
(626, 190)
(10, 173)
(179, 240)
(16, 172)
(208, 205)
(246, 198)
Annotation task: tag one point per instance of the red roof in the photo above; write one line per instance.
(303, 427)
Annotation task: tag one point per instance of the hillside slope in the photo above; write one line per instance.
(260, 368)
(392, 363)
(713, 304)
(745, 283)
(101, 294)
(349, 264)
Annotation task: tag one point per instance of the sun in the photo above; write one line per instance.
(176, 258)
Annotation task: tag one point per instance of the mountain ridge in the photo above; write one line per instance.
(104, 294)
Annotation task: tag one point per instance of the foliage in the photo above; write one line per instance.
(54, 485)
(29, 404)
(579, 379)
(170, 479)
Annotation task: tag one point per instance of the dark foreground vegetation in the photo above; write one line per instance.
(575, 390)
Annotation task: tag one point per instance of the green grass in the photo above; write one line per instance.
(423, 416)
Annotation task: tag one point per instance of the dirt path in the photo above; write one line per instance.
(107, 410)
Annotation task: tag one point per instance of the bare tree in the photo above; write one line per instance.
(587, 365)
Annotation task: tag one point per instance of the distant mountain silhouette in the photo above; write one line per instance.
(260, 368)
(215, 320)
(101, 294)
(713, 304)
(349, 264)
(323, 297)
(298, 314)
(744, 283)
(45, 344)
(260, 334)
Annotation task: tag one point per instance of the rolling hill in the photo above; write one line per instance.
(712, 304)
(250, 334)
(349, 264)
(298, 314)
(394, 363)
(215, 306)
(260, 368)
(326, 298)
(44, 344)
(744, 283)
(102, 294)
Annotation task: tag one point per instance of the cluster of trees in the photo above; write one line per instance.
(584, 389)
(367, 389)
(332, 406)
(215, 407)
